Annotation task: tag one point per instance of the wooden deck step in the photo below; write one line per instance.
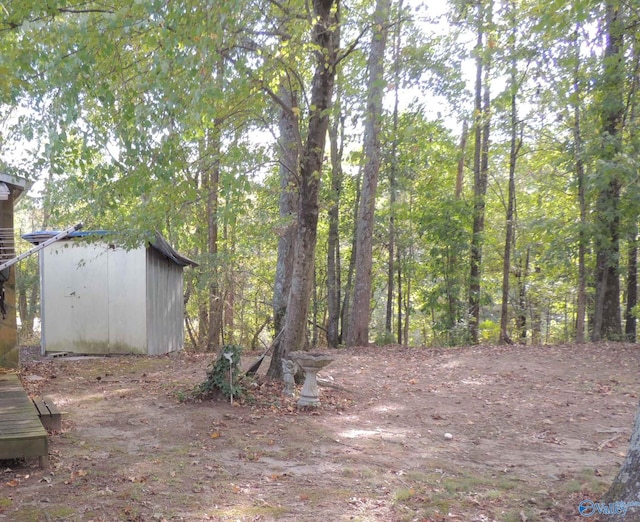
(49, 414)
(22, 435)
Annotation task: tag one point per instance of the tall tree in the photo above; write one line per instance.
(482, 126)
(211, 187)
(358, 333)
(515, 144)
(606, 315)
(336, 133)
(326, 16)
(393, 189)
(633, 189)
(289, 150)
(576, 101)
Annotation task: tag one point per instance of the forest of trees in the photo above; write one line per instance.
(343, 171)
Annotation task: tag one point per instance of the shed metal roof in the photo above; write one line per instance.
(160, 244)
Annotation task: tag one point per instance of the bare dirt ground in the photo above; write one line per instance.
(535, 431)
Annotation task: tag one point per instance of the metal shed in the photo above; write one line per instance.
(97, 298)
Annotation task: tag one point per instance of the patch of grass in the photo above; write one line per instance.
(5, 503)
(60, 512)
(493, 494)
(28, 514)
(515, 515)
(437, 505)
(573, 486)
(434, 494)
(35, 514)
(585, 480)
(402, 495)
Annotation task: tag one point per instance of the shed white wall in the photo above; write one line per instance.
(93, 299)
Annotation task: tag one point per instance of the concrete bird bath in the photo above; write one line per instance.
(311, 363)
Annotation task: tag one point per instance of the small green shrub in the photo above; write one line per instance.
(223, 377)
(385, 338)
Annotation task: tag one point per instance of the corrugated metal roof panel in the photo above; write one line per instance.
(160, 244)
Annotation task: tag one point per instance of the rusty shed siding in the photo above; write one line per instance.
(165, 305)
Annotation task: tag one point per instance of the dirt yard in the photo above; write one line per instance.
(535, 431)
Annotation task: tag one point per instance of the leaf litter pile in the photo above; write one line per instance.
(474, 434)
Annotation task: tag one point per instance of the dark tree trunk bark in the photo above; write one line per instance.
(212, 177)
(607, 321)
(360, 311)
(289, 150)
(393, 173)
(480, 171)
(311, 162)
(334, 284)
(581, 311)
(511, 196)
(346, 304)
(400, 301)
(632, 289)
(521, 316)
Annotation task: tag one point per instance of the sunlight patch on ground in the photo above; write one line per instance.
(356, 434)
(387, 408)
(67, 400)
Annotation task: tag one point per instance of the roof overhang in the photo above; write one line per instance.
(15, 184)
(160, 244)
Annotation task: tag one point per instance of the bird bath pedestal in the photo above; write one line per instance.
(311, 363)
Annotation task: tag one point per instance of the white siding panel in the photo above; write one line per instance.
(127, 310)
(75, 305)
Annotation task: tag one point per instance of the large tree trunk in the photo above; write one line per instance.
(211, 179)
(324, 37)
(632, 257)
(511, 196)
(230, 286)
(289, 150)
(399, 297)
(346, 303)
(606, 317)
(521, 316)
(632, 288)
(480, 171)
(360, 310)
(214, 315)
(581, 311)
(393, 174)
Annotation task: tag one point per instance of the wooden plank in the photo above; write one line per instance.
(50, 415)
(22, 435)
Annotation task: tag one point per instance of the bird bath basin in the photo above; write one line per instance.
(311, 363)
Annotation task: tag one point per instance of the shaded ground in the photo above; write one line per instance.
(535, 431)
